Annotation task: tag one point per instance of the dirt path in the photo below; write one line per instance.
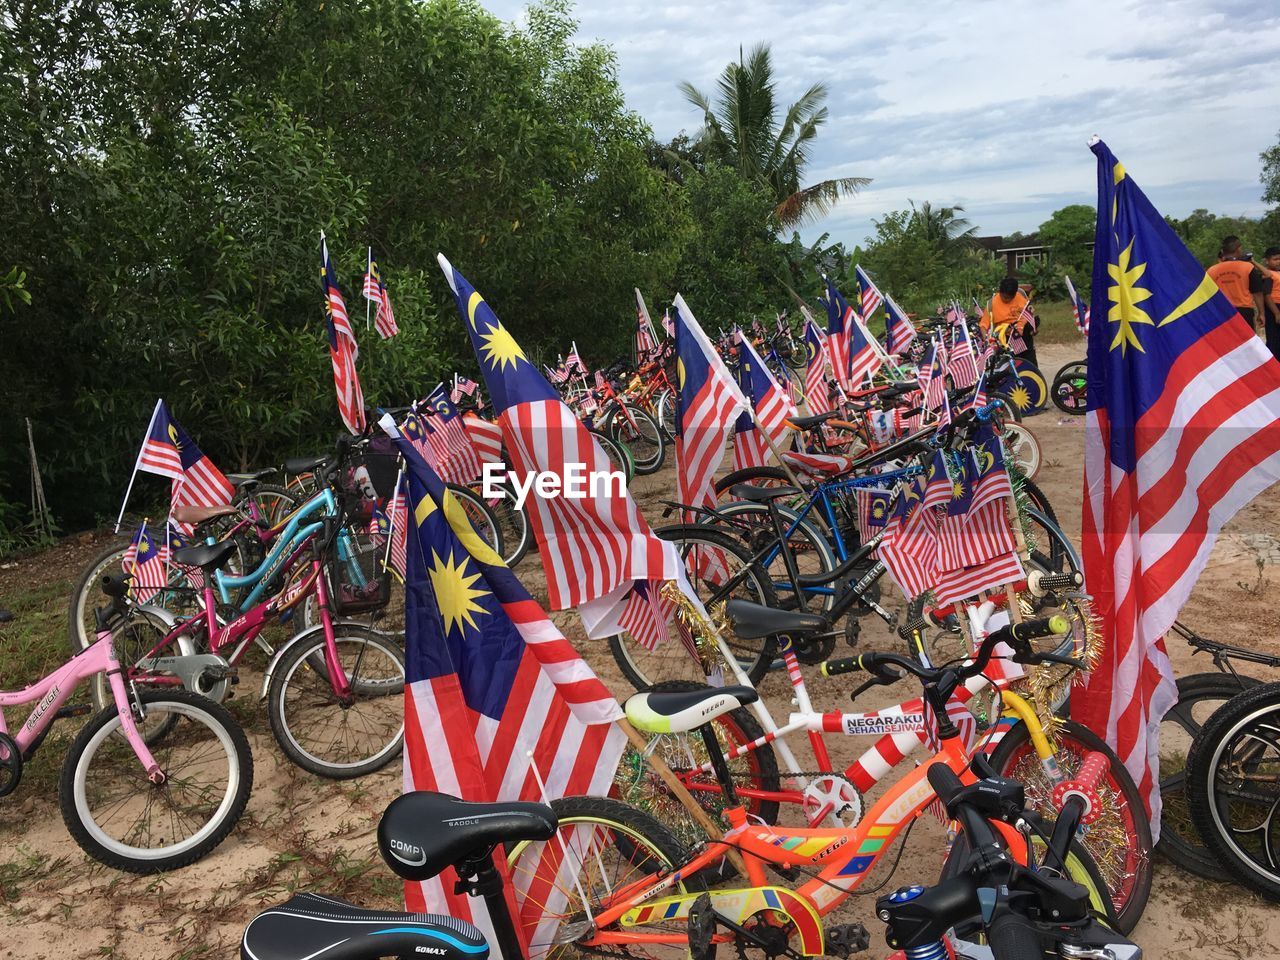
(301, 832)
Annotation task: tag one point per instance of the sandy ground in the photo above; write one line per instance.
(304, 833)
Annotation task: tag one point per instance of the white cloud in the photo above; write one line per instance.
(982, 102)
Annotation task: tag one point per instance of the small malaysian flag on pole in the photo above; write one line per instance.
(168, 450)
(870, 293)
(456, 458)
(1079, 308)
(342, 346)
(146, 563)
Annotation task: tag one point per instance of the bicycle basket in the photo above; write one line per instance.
(357, 580)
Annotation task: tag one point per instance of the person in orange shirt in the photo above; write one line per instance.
(1005, 311)
(1271, 300)
(1239, 280)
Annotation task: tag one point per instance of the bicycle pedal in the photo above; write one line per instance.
(845, 938)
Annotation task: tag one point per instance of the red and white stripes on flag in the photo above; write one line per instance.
(773, 405)
(456, 458)
(486, 438)
(910, 545)
(645, 614)
(750, 449)
(976, 551)
(962, 363)
(817, 394)
(709, 403)
(343, 350)
(384, 319)
(865, 358)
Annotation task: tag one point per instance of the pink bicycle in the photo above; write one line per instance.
(142, 800)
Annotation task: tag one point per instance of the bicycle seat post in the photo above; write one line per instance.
(479, 877)
(719, 765)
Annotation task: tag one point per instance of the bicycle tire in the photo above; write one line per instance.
(645, 440)
(637, 786)
(667, 412)
(1128, 870)
(807, 541)
(643, 847)
(1060, 555)
(1199, 695)
(314, 691)
(102, 731)
(1213, 795)
(645, 668)
(1038, 498)
(619, 455)
(1066, 392)
(517, 535)
(1023, 449)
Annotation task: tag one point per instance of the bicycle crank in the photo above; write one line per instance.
(833, 796)
(204, 673)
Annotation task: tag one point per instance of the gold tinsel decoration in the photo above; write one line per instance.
(705, 632)
(1046, 685)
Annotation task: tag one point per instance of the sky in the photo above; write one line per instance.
(984, 104)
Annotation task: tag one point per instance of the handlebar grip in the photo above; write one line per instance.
(1014, 937)
(944, 781)
(116, 587)
(833, 668)
(1041, 583)
(1083, 786)
(1035, 629)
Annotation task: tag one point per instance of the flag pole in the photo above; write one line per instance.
(137, 463)
(367, 301)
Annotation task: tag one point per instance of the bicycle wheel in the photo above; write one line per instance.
(1022, 448)
(813, 553)
(1048, 548)
(1199, 695)
(642, 435)
(1037, 498)
(120, 818)
(482, 518)
(274, 503)
(1120, 841)
(601, 848)
(332, 737)
(517, 535)
(1233, 787)
(666, 416)
(637, 785)
(1069, 390)
(619, 455)
(712, 559)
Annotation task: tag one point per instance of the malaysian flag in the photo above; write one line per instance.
(342, 346)
(932, 378)
(375, 289)
(462, 387)
(838, 313)
(708, 402)
(962, 363)
(980, 398)
(396, 520)
(909, 549)
(645, 614)
(871, 296)
(646, 335)
(874, 506)
(497, 701)
(169, 451)
(1079, 309)
(898, 331)
(145, 561)
(593, 548)
(1182, 430)
(456, 459)
(771, 405)
(976, 547)
(573, 365)
(857, 348)
(486, 438)
(818, 396)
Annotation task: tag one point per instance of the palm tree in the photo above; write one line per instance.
(943, 226)
(741, 130)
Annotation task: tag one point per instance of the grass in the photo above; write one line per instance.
(1057, 325)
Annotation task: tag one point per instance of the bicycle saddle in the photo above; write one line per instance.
(749, 491)
(240, 479)
(808, 423)
(310, 925)
(296, 465)
(205, 555)
(198, 515)
(750, 621)
(423, 832)
(683, 710)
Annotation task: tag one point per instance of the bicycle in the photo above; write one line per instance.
(1233, 787)
(331, 687)
(1014, 742)
(107, 801)
(1070, 388)
(598, 876)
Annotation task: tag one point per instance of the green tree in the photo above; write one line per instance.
(742, 131)
(1271, 173)
(1068, 232)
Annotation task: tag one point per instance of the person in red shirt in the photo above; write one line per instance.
(1271, 299)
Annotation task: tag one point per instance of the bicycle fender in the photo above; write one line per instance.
(298, 638)
(739, 905)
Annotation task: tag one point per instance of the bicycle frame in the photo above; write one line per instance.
(51, 693)
(846, 856)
